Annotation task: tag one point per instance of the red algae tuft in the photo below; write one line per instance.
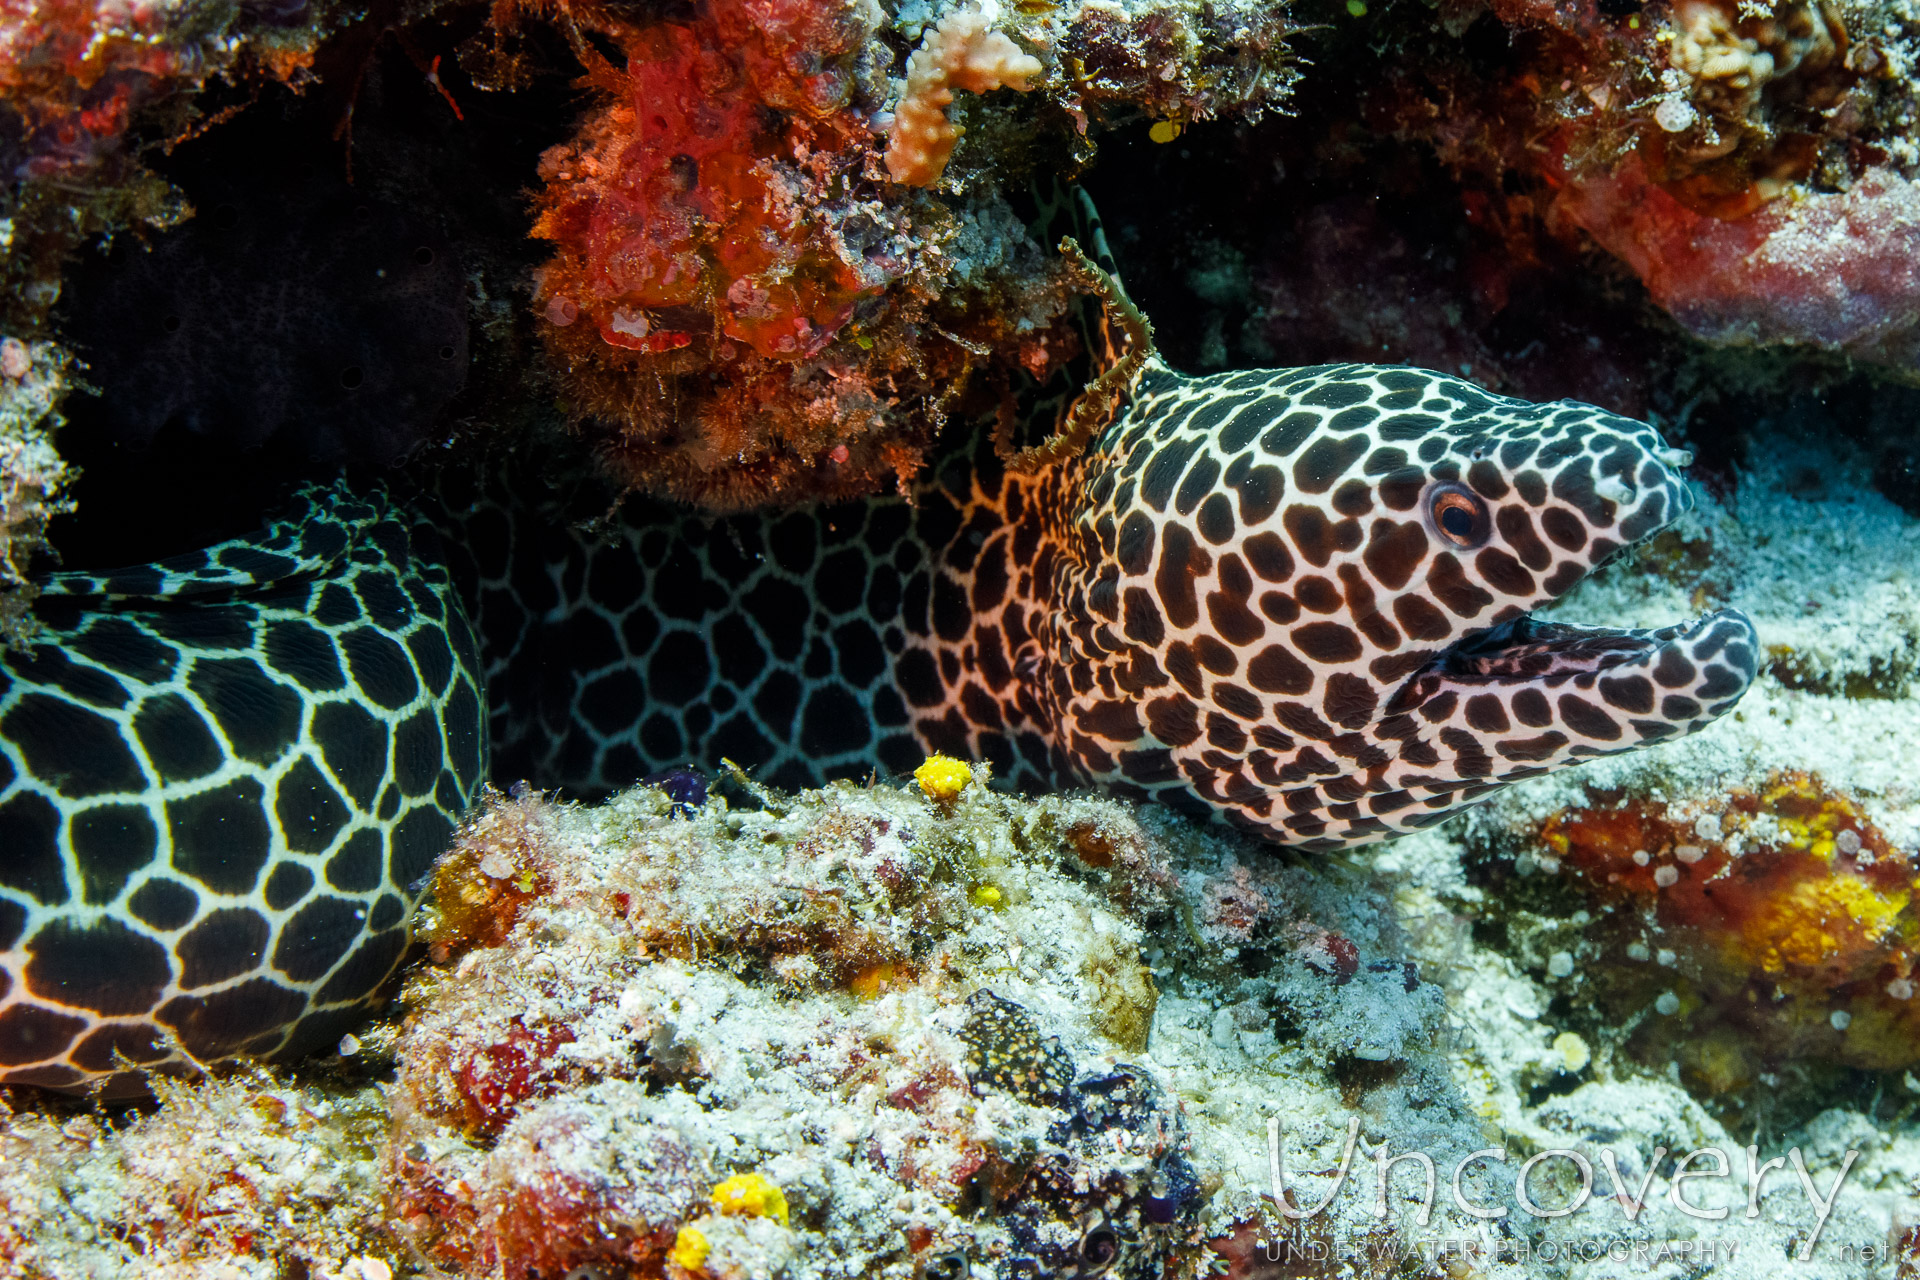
(742, 302)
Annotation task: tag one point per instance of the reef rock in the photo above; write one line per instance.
(1835, 271)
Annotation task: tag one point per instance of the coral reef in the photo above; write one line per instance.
(1749, 164)
(82, 84)
(713, 1032)
(738, 289)
(1746, 92)
(1831, 270)
(74, 76)
(611, 1076)
(767, 288)
(32, 475)
(1176, 63)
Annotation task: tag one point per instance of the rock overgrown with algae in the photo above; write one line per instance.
(769, 286)
(32, 476)
(947, 1024)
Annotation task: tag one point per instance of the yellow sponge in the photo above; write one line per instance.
(943, 778)
(752, 1196)
(689, 1249)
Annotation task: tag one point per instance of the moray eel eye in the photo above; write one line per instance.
(1459, 515)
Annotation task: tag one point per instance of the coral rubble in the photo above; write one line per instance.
(822, 1035)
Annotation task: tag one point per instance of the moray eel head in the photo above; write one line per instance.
(1311, 596)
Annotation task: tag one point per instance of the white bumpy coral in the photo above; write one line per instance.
(961, 52)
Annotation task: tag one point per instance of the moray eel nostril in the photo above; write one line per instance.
(1297, 601)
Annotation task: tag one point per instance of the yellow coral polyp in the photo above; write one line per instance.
(751, 1195)
(690, 1249)
(943, 778)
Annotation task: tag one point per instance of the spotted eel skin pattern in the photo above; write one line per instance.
(1297, 601)
(223, 779)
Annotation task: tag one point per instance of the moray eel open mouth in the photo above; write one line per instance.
(1544, 677)
(1317, 588)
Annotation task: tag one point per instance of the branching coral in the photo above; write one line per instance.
(962, 52)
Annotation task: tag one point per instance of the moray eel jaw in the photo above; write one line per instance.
(1299, 600)
(1527, 697)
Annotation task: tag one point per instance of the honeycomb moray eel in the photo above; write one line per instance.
(1295, 600)
(223, 778)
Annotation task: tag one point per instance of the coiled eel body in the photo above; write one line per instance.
(223, 778)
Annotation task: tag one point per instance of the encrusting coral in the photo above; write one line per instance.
(1779, 924)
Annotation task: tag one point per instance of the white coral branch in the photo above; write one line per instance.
(962, 52)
